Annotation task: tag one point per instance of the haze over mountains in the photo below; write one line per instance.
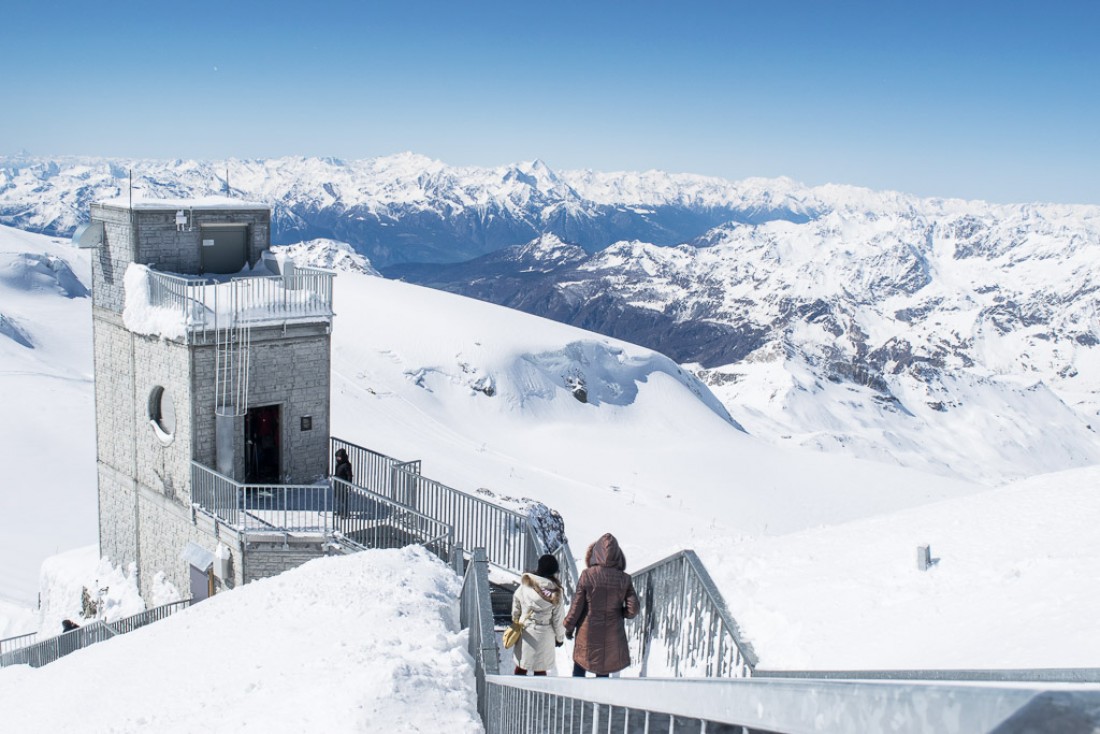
(958, 337)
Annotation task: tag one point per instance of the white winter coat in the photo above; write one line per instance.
(542, 598)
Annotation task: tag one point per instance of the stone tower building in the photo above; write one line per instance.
(212, 394)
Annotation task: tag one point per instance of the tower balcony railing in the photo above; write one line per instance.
(202, 304)
(356, 516)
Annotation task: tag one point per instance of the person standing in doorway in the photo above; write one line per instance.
(605, 598)
(538, 606)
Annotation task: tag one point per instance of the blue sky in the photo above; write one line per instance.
(998, 101)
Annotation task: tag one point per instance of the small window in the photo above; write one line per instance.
(162, 414)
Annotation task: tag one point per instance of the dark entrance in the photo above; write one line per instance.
(261, 436)
(224, 249)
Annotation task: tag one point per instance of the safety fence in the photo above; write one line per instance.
(683, 627)
(362, 518)
(283, 507)
(370, 520)
(751, 706)
(18, 642)
(510, 539)
(370, 469)
(204, 304)
(43, 652)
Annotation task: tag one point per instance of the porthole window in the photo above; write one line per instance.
(162, 414)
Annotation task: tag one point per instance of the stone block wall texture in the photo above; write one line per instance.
(262, 560)
(165, 529)
(117, 516)
(150, 237)
(290, 368)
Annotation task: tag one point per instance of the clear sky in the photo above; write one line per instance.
(990, 100)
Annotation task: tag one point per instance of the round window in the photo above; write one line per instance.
(162, 413)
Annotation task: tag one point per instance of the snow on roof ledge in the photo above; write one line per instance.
(202, 202)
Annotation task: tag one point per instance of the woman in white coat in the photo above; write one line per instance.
(538, 606)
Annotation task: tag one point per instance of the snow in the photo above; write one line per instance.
(199, 202)
(815, 553)
(367, 642)
(141, 315)
(1015, 584)
(47, 437)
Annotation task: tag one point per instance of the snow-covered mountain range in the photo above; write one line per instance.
(959, 337)
(408, 208)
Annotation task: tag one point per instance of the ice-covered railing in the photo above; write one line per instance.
(173, 305)
(683, 627)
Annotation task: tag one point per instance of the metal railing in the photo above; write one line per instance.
(46, 651)
(181, 294)
(369, 469)
(204, 304)
(510, 539)
(284, 507)
(18, 642)
(370, 520)
(696, 706)
(476, 616)
(996, 675)
(306, 293)
(683, 627)
(362, 518)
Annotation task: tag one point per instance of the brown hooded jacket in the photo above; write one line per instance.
(604, 598)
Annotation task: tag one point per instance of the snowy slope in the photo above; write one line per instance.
(363, 643)
(47, 437)
(965, 343)
(1016, 584)
(652, 449)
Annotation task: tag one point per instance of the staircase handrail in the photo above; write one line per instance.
(476, 616)
(510, 539)
(684, 613)
(696, 706)
(367, 513)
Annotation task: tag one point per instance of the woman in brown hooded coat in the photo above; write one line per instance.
(604, 598)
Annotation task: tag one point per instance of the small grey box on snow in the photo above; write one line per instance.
(924, 557)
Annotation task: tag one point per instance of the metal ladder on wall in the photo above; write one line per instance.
(232, 362)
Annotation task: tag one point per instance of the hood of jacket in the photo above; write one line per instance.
(605, 552)
(546, 588)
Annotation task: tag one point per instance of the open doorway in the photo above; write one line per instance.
(263, 460)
